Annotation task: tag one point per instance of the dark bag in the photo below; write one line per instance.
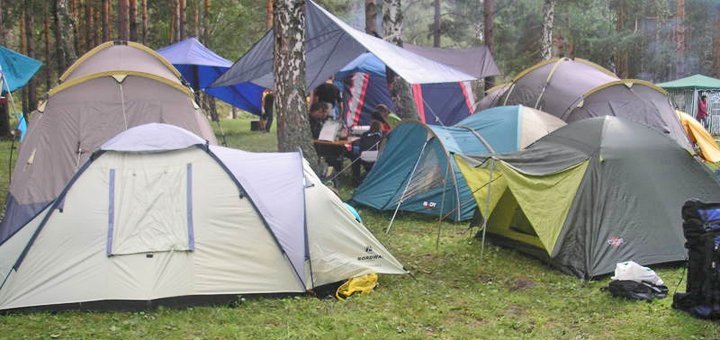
(636, 290)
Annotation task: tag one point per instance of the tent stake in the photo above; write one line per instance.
(407, 186)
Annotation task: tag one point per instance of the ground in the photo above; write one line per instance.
(455, 293)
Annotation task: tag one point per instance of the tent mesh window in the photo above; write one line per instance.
(150, 210)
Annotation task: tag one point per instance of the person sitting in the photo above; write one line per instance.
(318, 114)
(369, 141)
(388, 119)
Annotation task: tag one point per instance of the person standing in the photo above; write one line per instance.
(702, 111)
(328, 93)
(267, 115)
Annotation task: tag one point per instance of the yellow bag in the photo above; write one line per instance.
(361, 284)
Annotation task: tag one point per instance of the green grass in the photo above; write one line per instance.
(455, 294)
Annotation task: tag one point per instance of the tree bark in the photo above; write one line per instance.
(64, 49)
(206, 23)
(75, 17)
(488, 30)
(2, 22)
(436, 26)
(144, 22)
(371, 17)
(268, 14)
(181, 20)
(393, 32)
(716, 46)
(196, 20)
(293, 126)
(105, 14)
(680, 41)
(31, 87)
(123, 28)
(46, 40)
(546, 42)
(132, 18)
(90, 25)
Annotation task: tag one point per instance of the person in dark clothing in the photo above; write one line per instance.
(369, 141)
(318, 115)
(330, 94)
(267, 115)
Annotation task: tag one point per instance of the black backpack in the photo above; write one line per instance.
(636, 290)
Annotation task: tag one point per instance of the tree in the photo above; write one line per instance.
(293, 126)
(2, 23)
(268, 14)
(64, 49)
(181, 20)
(546, 50)
(436, 26)
(123, 28)
(144, 22)
(132, 17)
(393, 32)
(371, 17)
(105, 15)
(30, 50)
(488, 30)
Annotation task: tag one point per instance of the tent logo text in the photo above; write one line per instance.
(429, 205)
(371, 256)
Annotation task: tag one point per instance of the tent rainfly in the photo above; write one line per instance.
(698, 135)
(158, 216)
(113, 87)
(575, 89)
(611, 192)
(15, 69)
(416, 173)
(331, 44)
(200, 66)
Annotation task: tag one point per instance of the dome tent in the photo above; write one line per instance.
(158, 216)
(574, 89)
(612, 191)
(414, 171)
(88, 109)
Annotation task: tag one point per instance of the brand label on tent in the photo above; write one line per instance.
(369, 255)
(429, 205)
(615, 241)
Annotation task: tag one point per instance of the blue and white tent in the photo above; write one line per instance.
(414, 171)
(158, 215)
(200, 66)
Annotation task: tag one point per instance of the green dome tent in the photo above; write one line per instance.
(611, 191)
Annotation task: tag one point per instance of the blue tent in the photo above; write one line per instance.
(415, 169)
(364, 84)
(200, 67)
(16, 69)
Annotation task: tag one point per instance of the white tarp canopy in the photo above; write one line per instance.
(330, 45)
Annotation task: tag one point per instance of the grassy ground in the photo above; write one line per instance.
(456, 294)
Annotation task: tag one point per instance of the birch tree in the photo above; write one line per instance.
(393, 32)
(547, 29)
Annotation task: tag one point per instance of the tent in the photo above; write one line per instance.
(15, 69)
(200, 66)
(364, 84)
(709, 149)
(611, 192)
(685, 94)
(86, 110)
(330, 44)
(414, 171)
(157, 216)
(574, 89)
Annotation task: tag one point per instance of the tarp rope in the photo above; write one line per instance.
(407, 186)
(351, 163)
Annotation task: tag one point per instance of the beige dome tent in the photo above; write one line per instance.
(157, 216)
(87, 110)
(575, 89)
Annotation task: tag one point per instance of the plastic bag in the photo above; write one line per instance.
(634, 272)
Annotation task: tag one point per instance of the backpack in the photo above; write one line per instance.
(636, 290)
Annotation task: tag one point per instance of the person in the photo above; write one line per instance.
(702, 111)
(387, 119)
(369, 141)
(267, 115)
(328, 93)
(318, 115)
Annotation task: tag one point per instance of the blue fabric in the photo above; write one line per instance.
(200, 66)
(446, 102)
(22, 126)
(17, 69)
(354, 212)
(388, 178)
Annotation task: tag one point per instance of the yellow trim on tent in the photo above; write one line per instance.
(108, 44)
(698, 135)
(625, 83)
(497, 88)
(545, 62)
(77, 81)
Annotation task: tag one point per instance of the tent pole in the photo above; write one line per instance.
(407, 186)
(442, 207)
(487, 208)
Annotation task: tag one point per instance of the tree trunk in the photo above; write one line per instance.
(546, 42)
(132, 18)
(371, 17)
(96, 21)
(206, 23)
(399, 89)
(46, 40)
(488, 30)
(716, 46)
(196, 20)
(90, 25)
(75, 17)
(2, 22)
(64, 49)
(4, 116)
(123, 28)
(436, 26)
(268, 14)
(31, 87)
(680, 42)
(144, 22)
(293, 126)
(181, 20)
(105, 14)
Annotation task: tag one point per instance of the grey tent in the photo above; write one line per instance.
(331, 44)
(591, 194)
(158, 216)
(112, 88)
(574, 89)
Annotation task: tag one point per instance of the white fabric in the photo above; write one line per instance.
(631, 271)
(369, 156)
(153, 137)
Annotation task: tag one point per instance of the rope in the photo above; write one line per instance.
(407, 186)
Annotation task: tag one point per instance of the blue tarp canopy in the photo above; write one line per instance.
(200, 67)
(16, 69)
